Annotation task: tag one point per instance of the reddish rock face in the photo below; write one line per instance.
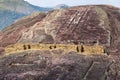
(12, 37)
(13, 33)
(86, 25)
(1, 50)
(42, 65)
(82, 24)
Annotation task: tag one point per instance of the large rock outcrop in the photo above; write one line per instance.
(83, 24)
(88, 25)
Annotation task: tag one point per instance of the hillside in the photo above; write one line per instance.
(80, 25)
(11, 10)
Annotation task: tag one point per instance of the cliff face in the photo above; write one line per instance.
(88, 25)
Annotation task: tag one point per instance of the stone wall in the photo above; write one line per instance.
(14, 48)
(96, 49)
(84, 49)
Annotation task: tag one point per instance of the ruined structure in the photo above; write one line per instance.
(85, 49)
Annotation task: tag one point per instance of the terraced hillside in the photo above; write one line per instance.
(85, 25)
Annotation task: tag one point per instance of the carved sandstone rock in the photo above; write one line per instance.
(98, 24)
(82, 24)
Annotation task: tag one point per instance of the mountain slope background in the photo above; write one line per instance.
(11, 10)
(61, 6)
